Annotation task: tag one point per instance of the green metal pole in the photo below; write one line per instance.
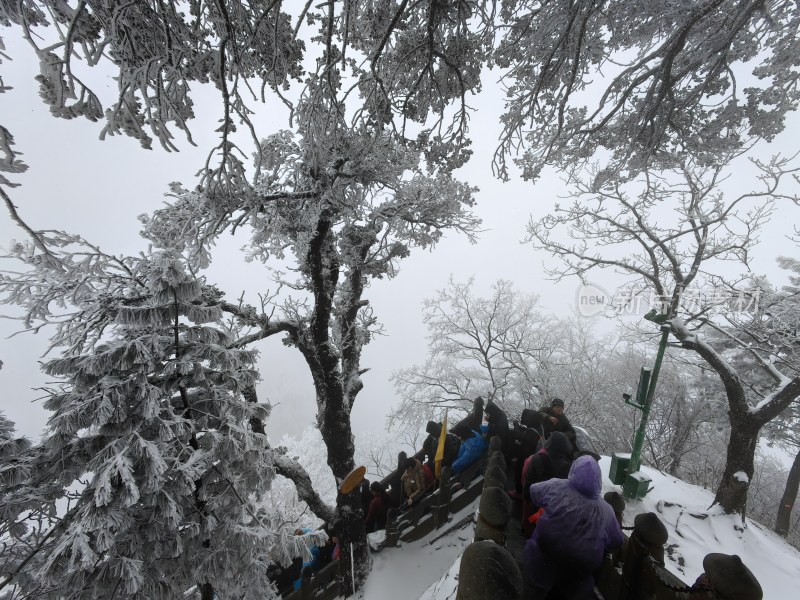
(638, 441)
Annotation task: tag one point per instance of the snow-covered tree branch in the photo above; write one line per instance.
(669, 80)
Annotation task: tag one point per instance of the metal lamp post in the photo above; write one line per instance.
(625, 470)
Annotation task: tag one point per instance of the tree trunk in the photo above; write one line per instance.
(335, 376)
(789, 497)
(349, 524)
(745, 424)
(732, 491)
(675, 465)
(683, 424)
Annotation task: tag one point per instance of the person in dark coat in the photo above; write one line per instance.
(472, 422)
(326, 550)
(309, 566)
(553, 460)
(380, 505)
(556, 420)
(284, 577)
(498, 426)
(576, 529)
(470, 451)
(452, 444)
(528, 437)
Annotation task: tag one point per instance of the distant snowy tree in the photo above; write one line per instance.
(498, 347)
(786, 431)
(377, 451)
(671, 231)
(502, 348)
(767, 496)
(307, 450)
(779, 330)
(685, 420)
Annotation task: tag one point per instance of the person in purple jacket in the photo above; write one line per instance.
(569, 541)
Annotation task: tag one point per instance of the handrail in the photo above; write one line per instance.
(649, 579)
(430, 512)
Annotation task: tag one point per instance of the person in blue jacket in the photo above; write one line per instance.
(470, 451)
(311, 564)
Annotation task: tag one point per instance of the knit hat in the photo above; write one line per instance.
(557, 402)
(730, 579)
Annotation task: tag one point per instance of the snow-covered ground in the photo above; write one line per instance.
(429, 571)
(406, 572)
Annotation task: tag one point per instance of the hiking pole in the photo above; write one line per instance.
(352, 568)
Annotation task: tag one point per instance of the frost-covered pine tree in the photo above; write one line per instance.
(25, 507)
(150, 441)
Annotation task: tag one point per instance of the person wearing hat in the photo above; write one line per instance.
(728, 578)
(498, 426)
(553, 460)
(556, 420)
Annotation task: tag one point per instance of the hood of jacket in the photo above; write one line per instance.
(585, 477)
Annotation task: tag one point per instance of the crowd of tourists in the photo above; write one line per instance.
(569, 526)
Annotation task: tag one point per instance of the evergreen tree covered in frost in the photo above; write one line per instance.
(150, 438)
(23, 506)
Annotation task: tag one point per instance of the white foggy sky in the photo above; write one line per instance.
(81, 185)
